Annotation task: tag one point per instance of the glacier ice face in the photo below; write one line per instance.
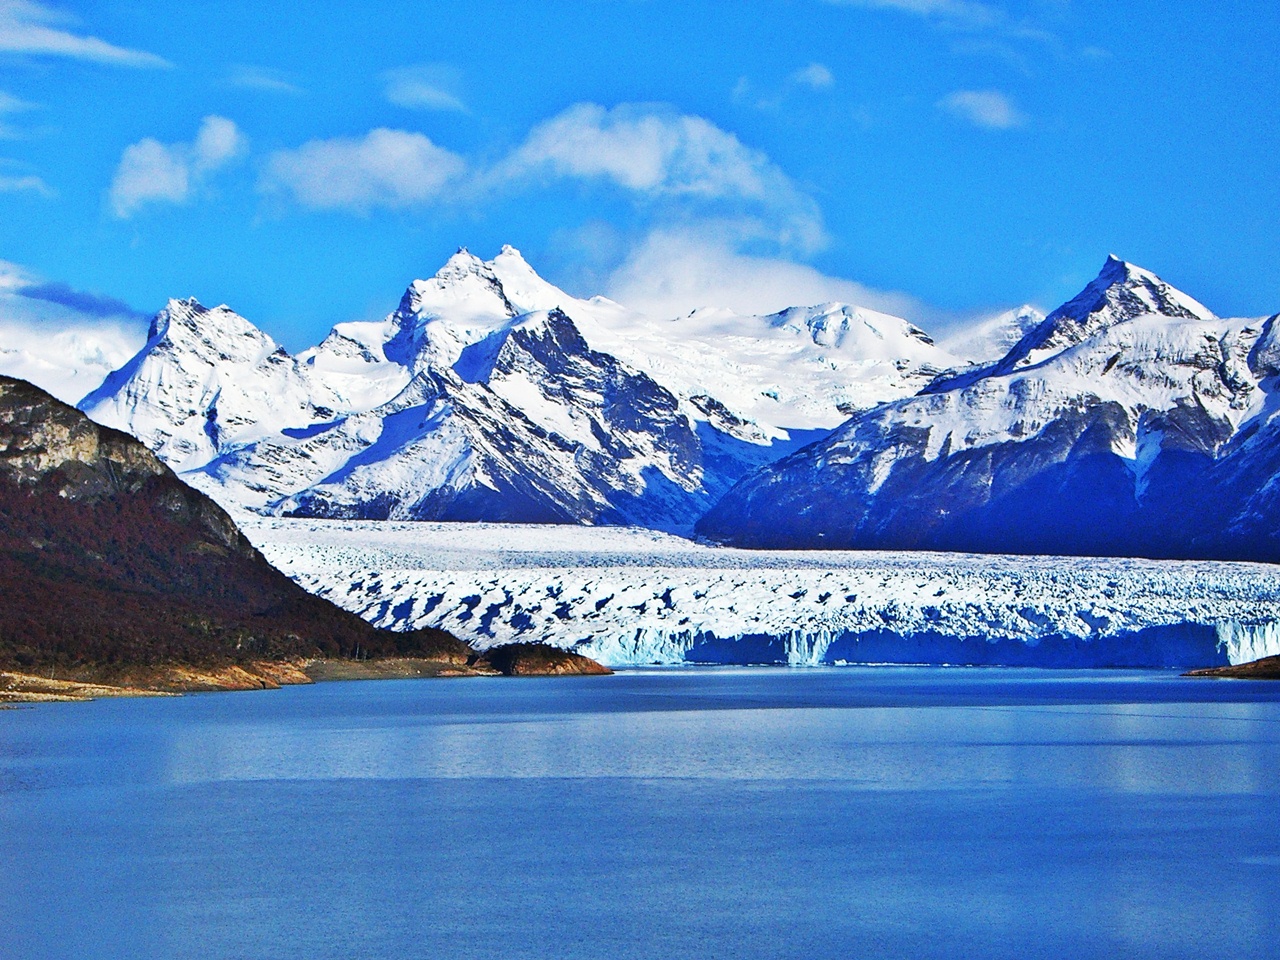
(629, 596)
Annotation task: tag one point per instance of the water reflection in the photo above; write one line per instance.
(1191, 750)
(831, 814)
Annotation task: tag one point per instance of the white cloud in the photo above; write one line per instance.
(423, 87)
(989, 109)
(217, 143)
(656, 153)
(815, 76)
(248, 77)
(674, 271)
(154, 172)
(385, 168)
(11, 104)
(61, 339)
(33, 28)
(27, 183)
(969, 13)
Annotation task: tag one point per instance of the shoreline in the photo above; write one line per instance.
(171, 680)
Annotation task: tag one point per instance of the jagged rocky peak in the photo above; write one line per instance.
(1120, 292)
(217, 333)
(465, 285)
(468, 287)
(466, 301)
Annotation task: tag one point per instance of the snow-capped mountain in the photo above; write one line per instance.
(61, 345)
(993, 337)
(491, 394)
(204, 382)
(1120, 424)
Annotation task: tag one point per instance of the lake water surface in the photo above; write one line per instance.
(838, 813)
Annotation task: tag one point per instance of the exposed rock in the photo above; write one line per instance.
(541, 660)
(1268, 668)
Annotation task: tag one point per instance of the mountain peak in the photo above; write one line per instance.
(1121, 292)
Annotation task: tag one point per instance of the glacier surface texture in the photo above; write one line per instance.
(631, 597)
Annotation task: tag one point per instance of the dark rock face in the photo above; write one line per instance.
(541, 660)
(108, 559)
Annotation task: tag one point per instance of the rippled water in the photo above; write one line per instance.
(705, 813)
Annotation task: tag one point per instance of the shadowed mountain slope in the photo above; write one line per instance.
(107, 559)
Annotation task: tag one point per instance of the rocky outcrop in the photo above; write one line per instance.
(1268, 668)
(541, 660)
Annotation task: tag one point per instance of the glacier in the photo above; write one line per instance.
(629, 596)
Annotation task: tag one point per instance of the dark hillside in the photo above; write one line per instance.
(107, 560)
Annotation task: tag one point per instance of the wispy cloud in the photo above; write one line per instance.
(248, 77)
(385, 168)
(81, 301)
(427, 86)
(151, 172)
(966, 13)
(10, 104)
(811, 79)
(26, 183)
(32, 28)
(816, 76)
(979, 28)
(988, 109)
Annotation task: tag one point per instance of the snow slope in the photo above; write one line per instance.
(994, 337)
(629, 596)
(1097, 433)
(59, 346)
(491, 394)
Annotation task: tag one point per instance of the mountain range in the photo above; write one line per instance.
(1129, 421)
(489, 394)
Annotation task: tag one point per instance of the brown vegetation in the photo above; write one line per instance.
(109, 564)
(1268, 668)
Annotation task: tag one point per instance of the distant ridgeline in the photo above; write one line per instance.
(1130, 421)
(107, 559)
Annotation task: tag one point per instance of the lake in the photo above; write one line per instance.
(738, 813)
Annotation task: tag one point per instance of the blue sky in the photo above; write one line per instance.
(936, 157)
